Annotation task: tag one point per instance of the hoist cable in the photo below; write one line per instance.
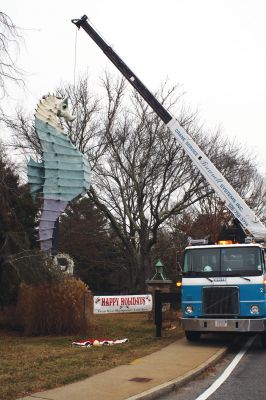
(75, 58)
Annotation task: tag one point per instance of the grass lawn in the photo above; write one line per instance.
(32, 364)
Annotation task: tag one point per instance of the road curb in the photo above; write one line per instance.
(170, 386)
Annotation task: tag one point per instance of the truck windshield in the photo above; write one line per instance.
(232, 261)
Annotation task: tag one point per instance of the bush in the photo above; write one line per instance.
(55, 308)
(31, 267)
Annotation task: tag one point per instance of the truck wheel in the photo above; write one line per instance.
(193, 336)
(263, 339)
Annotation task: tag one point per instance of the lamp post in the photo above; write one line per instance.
(158, 282)
(159, 274)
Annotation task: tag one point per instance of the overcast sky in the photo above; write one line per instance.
(215, 49)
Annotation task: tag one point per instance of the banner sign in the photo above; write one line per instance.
(120, 304)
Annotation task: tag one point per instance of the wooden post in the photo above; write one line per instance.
(158, 313)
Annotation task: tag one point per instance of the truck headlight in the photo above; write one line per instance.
(189, 309)
(254, 309)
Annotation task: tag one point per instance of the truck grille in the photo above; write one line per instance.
(221, 300)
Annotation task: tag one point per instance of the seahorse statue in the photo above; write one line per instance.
(63, 173)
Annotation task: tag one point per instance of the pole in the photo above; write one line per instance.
(223, 189)
(124, 69)
(158, 313)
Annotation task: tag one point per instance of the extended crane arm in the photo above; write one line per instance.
(224, 190)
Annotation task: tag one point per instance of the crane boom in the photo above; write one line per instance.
(221, 186)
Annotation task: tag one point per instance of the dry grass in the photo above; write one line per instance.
(54, 308)
(31, 364)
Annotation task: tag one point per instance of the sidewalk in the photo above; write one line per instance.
(145, 378)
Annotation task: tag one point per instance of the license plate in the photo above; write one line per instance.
(221, 323)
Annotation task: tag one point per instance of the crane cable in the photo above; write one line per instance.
(75, 49)
(75, 57)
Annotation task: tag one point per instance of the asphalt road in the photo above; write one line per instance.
(246, 382)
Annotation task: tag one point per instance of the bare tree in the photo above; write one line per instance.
(86, 106)
(141, 176)
(9, 47)
(24, 135)
(209, 216)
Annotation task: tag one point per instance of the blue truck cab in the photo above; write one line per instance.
(224, 289)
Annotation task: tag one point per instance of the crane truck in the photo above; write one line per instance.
(223, 285)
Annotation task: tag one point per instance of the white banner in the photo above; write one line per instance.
(119, 304)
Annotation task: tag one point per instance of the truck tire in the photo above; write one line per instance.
(193, 336)
(263, 339)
